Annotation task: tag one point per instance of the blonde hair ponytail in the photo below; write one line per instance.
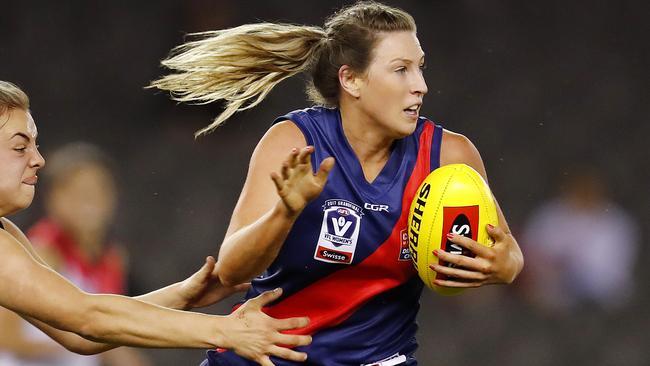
(240, 65)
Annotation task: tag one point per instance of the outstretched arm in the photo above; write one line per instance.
(200, 289)
(33, 290)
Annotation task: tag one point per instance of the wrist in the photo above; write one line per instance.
(181, 302)
(282, 210)
(221, 325)
(175, 299)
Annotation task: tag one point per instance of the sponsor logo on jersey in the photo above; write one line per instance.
(375, 207)
(339, 232)
(460, 221)
(404, 253)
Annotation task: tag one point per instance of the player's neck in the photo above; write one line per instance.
(367, 138)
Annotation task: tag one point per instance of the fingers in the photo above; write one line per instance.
(265, 361)
(459, 260)
(207, 267)
(286, 170)
(278, 181)
(288, 354)
(301, 156)
(459, 273)
(324, 170)
(496, 233)
(296, 156)
(291, 323)
(242, 287)
(465, 242)
(304, 155)
(265, 298)
(292, 340)
(459, 284)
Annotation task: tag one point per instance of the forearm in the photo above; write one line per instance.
(167, 296)
(124, 321)
(116, 320)
(71, 341)
(250, 250)
(36, 291)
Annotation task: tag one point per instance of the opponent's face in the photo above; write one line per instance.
(19, 160)
(391, 92)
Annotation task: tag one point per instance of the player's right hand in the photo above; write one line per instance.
(254, 335)
(296, 184)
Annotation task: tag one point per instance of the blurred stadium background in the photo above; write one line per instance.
(539, 86)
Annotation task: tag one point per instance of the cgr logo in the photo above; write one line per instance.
(375, 207)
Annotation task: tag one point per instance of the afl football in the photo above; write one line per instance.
(452, 199)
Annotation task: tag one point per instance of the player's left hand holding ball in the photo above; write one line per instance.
(499, 264)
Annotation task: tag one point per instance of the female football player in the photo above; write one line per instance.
(77, 319)
(333, 237)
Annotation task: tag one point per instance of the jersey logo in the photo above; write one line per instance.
(339, 232)
(375, 207)
(404, 252)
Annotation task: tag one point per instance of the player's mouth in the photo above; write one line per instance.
(31, 180)
(413, 111)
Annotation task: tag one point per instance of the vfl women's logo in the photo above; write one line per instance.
(339, 232)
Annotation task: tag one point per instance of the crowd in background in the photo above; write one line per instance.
(554, 95)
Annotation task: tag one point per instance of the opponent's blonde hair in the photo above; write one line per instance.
(241, 65)
(11, 96)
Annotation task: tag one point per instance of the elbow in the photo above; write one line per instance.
(91, 322)
(90, 329)
(229, 277)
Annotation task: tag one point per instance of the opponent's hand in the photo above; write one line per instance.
(204, 288)
(297, 184)
(500, 263)
(256, 336)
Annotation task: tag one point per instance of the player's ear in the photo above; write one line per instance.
(350, 81)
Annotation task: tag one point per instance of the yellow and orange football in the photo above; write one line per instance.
(452, 199)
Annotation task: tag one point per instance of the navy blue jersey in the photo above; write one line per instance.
(345, 263)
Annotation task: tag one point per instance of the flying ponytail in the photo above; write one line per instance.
(239, 65)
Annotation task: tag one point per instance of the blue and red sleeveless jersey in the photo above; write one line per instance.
(345, 263)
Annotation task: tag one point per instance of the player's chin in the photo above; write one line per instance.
(24, 198)
(406, 130)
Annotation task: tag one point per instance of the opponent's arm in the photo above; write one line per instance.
(270, 202)
(34, 290)
(200, 289)
(501, 263)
